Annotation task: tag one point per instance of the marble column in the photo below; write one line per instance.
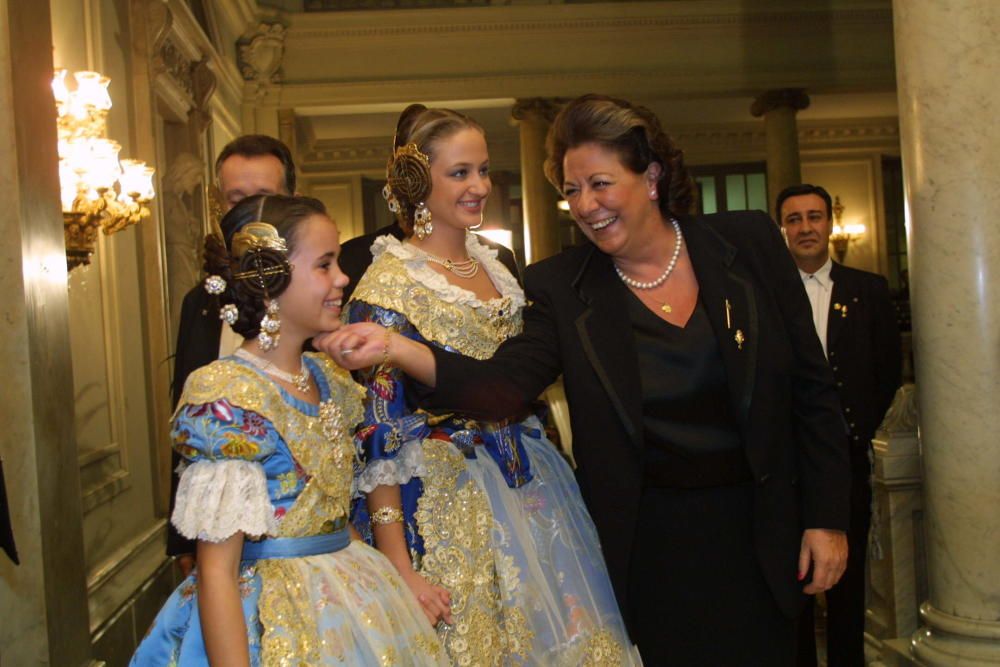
(43, 601)
(947, 62)
(539, 198)
(778, 108)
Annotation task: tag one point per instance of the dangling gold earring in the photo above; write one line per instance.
(422, 221)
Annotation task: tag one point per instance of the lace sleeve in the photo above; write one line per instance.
(216, 499)
(223, 488)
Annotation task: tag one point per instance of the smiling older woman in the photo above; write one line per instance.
(711, 452)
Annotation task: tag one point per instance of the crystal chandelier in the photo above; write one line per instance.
(98, 190)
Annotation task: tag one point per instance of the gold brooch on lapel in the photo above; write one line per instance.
(739, 337)
(841, 308)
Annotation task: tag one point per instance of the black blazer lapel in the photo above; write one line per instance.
(728, 299)
(605, 333)
(841, 304)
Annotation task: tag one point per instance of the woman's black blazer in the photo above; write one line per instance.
(781, 388)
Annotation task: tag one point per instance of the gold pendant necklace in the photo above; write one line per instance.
(298, 380)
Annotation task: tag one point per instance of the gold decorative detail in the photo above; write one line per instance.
(739, 338)
(409, 173)
(603, 650)
(475, 332)
(454, 519)
(386, 515)
(98, 190)
(328, 461)
(256, 236)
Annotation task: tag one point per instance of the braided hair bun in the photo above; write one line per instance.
(408, 172)
(260, 234)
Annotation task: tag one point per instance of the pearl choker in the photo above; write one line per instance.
(467, 268)
(299, 380)
(636, 284)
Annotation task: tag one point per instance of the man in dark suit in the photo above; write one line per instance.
(252, 164)
(856, 325)
(356, 255)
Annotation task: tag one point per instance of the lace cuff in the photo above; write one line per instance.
(399, 470)
(216, 499)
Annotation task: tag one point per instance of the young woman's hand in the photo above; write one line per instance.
(435, 600)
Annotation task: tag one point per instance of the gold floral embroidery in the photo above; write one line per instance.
(455, 522)
(473, 331)
(603, 650)
(240, 448)
(326, 460)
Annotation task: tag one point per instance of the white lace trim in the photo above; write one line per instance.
(409, 463)
(216, 499)
(415, 262)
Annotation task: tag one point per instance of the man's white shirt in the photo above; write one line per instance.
(819, 287)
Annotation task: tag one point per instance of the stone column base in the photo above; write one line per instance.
(952, 641)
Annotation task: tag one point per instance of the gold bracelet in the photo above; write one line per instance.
(385, 348)
(385, 515)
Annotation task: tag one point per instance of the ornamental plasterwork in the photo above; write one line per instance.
(260, 54)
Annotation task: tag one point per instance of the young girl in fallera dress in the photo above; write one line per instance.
(266, 435)
(484, 521)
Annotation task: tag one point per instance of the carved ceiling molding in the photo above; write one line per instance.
(628, 83)
(708, 143)
(371, 153)
(863, 16)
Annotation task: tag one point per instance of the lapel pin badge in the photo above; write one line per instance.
(739, 338)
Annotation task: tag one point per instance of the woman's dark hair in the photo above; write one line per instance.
(284, 214)
(631, 131)
(424, 128)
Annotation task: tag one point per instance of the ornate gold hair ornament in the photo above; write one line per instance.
(409, 173)
(257, 235)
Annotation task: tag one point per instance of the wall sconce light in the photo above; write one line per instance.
(98, 190)
(843, 234)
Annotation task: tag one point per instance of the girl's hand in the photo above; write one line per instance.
(435, 600)
(355, 346)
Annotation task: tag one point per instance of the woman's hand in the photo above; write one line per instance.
(355, 346)
(435, 600)
(364, 344)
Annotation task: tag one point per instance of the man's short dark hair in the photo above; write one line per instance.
(798, 191)
(257, 145)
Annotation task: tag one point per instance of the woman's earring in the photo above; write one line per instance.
(422, 221)
(270, 326)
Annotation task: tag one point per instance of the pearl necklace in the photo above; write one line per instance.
(300, 380)
(467, 268)
(636, 284)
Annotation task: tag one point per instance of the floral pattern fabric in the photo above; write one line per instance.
(491, 510)
(249, 446)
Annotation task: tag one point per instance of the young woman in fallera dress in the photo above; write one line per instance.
(266, 436)
(484, 521)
